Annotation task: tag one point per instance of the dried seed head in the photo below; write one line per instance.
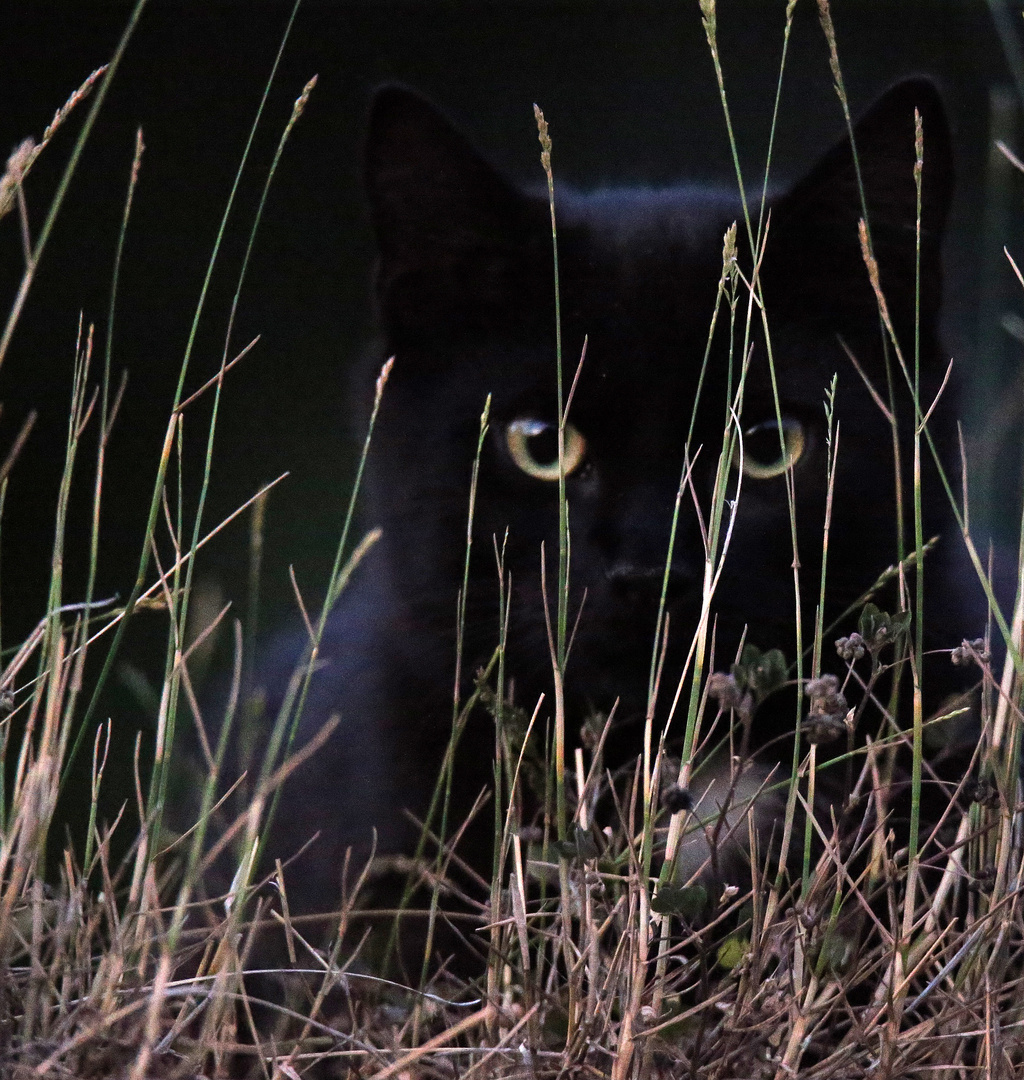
(808, 914)
(984, 881)
(826, 719)
(594, 882)
(18, 165)
(545, 141)
(675, 799)
(590, 731)
(824, 686)
(821, 730)
(726, 691)
(851, 648)
(729, 250)
(982, 792)
(970, 651)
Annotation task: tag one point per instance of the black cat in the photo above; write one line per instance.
(464, 293)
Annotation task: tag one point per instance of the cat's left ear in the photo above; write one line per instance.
(457, 243)
(816, 224)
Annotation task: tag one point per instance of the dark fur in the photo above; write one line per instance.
(464, 291)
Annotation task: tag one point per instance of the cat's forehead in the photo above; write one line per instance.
(639, 276)
(638, 262)
(630, 225)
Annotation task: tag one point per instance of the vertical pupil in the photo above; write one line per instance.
(543, 444)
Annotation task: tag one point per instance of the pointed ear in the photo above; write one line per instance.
(817, 222)
(452, 234)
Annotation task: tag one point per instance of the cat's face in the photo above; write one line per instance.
(466, 291)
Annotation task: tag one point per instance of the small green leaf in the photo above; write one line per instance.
(760, 672)
(586, 848)
(564, 849)
(878, 628)
(732, 951)
(835, 953)
(689, 901)
(582, 846)
(871, 619)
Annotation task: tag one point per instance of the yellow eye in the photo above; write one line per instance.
(533, 445)
(762, 456)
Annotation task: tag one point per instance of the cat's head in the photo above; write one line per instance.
(465, 290)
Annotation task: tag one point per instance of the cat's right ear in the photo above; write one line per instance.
(816, 246)
(452, 234)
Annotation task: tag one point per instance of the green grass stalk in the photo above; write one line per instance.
(504, 781)
(917, 667)
(562, 597)
(57, 201)
(831, 461)
(559, 653)
(790, 7)
(885, 335)
(158, 485)
(757, 242)
(182, 606)
(458, 721)
(108, 408)
(287, 721)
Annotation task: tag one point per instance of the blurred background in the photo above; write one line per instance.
(629, 91)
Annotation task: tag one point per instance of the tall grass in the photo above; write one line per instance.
(609, 952)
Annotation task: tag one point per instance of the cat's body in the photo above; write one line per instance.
(465, 292)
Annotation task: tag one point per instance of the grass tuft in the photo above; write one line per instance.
(614, 944)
